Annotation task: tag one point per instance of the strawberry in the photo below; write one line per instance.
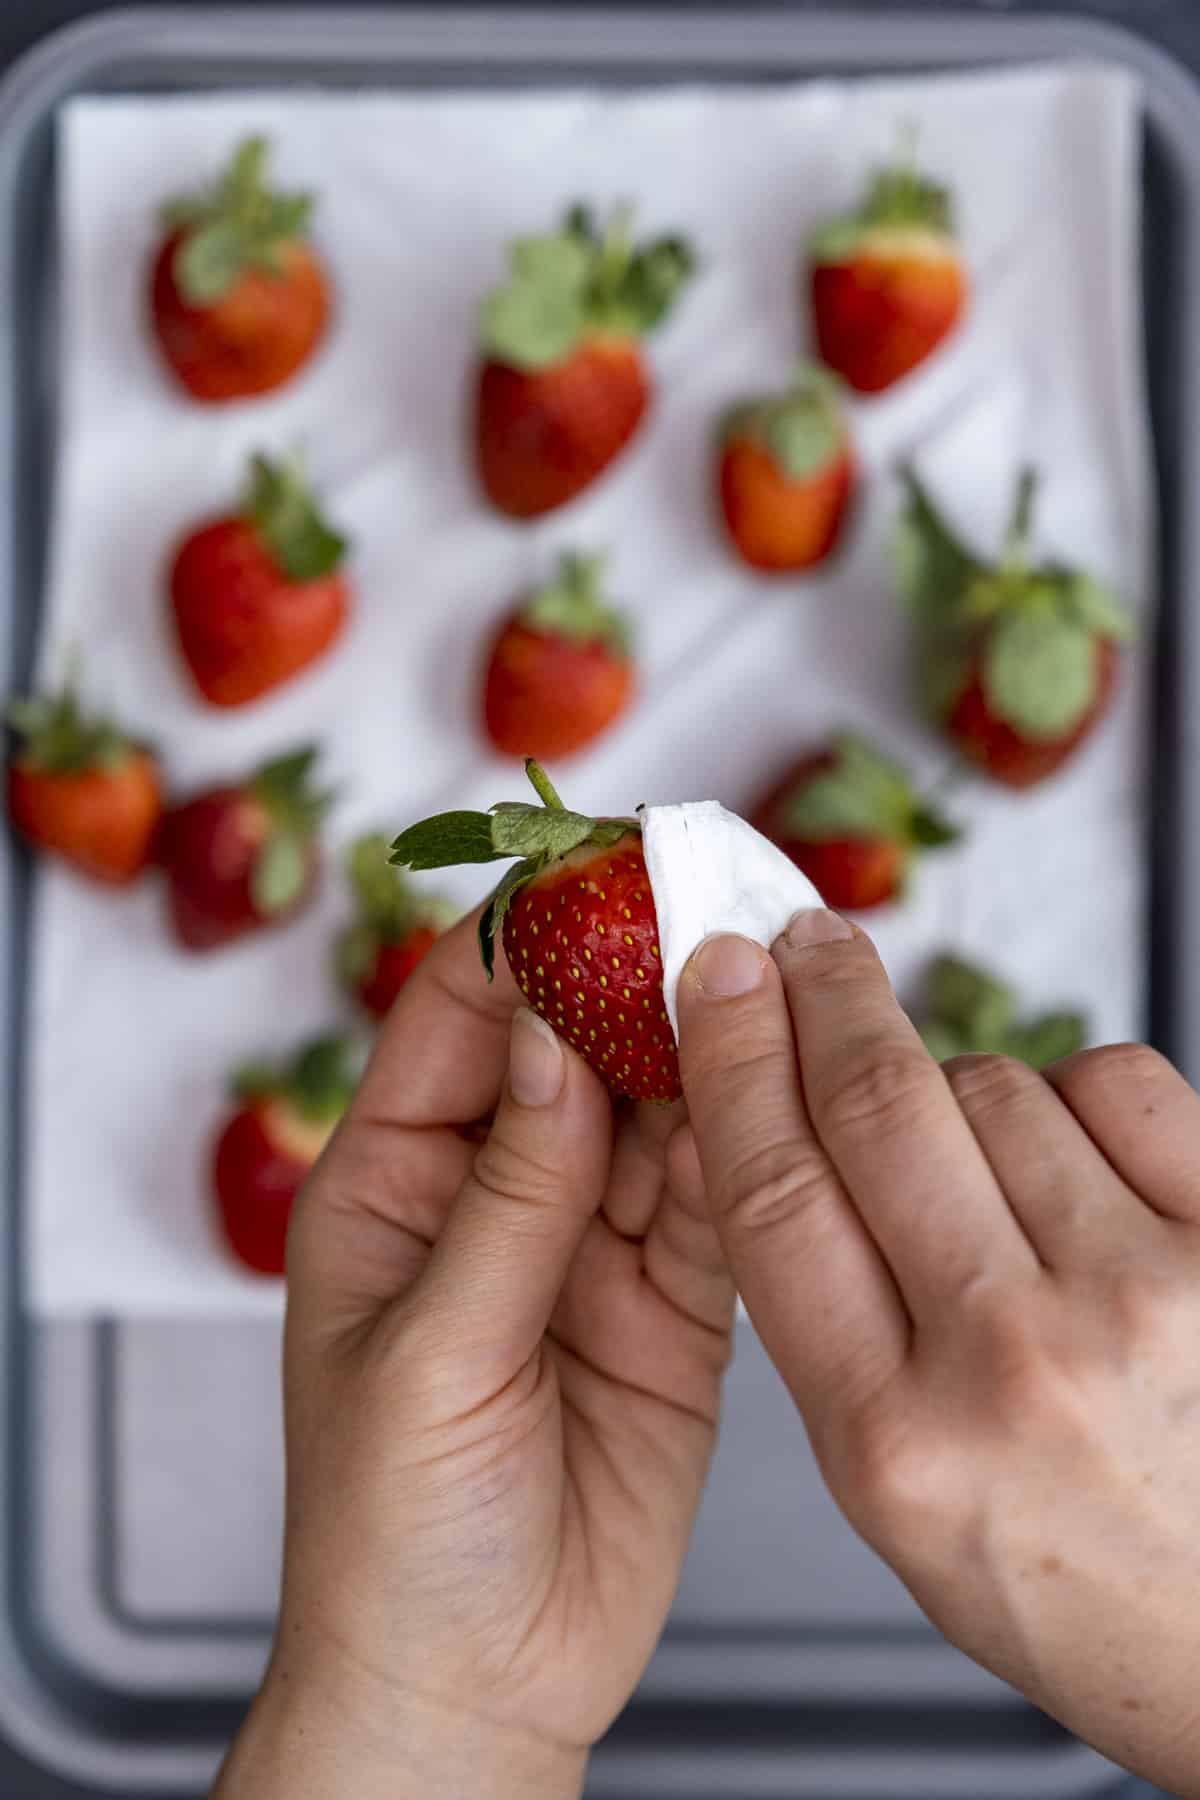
(238, 298)
(562, 384)
(394, 929)
(1017, 660)
(786, 474)
(560, 669)
(887, 283)
(82, 788)
(576, 917)
(256, 596)
(851, 821)
(283, 1120)
(968, 1012)
(243, 857)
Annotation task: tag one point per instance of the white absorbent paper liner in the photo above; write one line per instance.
(710, 871)
(419, 192)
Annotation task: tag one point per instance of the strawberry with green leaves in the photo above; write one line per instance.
(560, 670)
(81, 787)
(283, 1118)
(970, 1012)
(887, 282)
(238, 297)
(1017, 659)
(852, 821)
(562, 382)
(576, 918)
(786, 474)
(394, 930)
(243, 857)
(258, 596)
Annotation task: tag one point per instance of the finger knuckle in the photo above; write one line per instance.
(516, 1172)
(772, 1185)
(1117, 1069)
(874, 1095)
(899, 1483)
(985, 1085)
(1150, 1303)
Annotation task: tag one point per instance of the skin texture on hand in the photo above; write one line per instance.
(982, 1287)
(503, 1358)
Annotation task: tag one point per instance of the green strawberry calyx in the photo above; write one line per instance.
(863, 794)
(1030, 627)
(389, 908)
(539, 836)
(281, 506)
(577, 281)
(237, 225)
(317, 1083)
(573, 606)
(59, 738)
(295, 808)
(899, 199)
(803, 428)
(969, 1011)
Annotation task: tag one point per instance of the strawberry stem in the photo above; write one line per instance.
(1016, 541)
(542, 785)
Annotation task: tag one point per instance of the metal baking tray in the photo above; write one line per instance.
(140, 1513)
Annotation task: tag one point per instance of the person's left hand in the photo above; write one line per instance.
(503, 1366)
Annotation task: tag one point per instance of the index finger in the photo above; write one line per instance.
(443, 1050)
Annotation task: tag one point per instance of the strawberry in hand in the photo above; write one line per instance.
(238, 297)
(887, 282)
(560, 670)
(576, 917)
(969, 1012)
(258, 596)
(82, 788)
(394, 929)
(852, 822)
(240, 858)
(562, 385)
(1017, 660)
(786, 474)
(283, 1120)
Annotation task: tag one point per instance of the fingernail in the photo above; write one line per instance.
(815, 926)
(727, 965)
(535, 1061)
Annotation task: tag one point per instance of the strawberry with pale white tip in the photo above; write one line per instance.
(577, 921)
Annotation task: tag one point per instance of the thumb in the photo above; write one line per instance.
(496, 1271)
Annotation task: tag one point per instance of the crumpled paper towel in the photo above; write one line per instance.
(130, 1040)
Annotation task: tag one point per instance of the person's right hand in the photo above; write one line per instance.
(982, 1287)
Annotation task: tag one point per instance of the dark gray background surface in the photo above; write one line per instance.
(1172, 24)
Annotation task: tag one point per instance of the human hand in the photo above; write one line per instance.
(502, 1368)
(982, 1288)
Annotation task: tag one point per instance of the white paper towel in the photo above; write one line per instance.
(418, 197)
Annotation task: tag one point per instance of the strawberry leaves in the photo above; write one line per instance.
(970, 1011)
(295, 809)
(319, 1082)
(573, 606)
(803, 427)
(862, 794)
(59, 738)
(579, 280)
(1039, 672)
(899, 198)
(539, 835)
(284, 511)
(237, 225)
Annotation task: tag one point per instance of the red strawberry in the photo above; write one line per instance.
(1018, 660)
(395, 928)
(256, 596)
(238, 298)
(851, 820)
(243, 857)
(786, 474)
(284, 1118)
(81, 788)
(887, 281)
(562, 387)
(578, 924)
(560, 669)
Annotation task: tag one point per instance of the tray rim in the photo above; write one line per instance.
(86, 52)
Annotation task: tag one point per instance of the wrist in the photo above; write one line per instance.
(320, 1735)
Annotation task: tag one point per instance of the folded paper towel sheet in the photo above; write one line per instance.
(419, 193)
